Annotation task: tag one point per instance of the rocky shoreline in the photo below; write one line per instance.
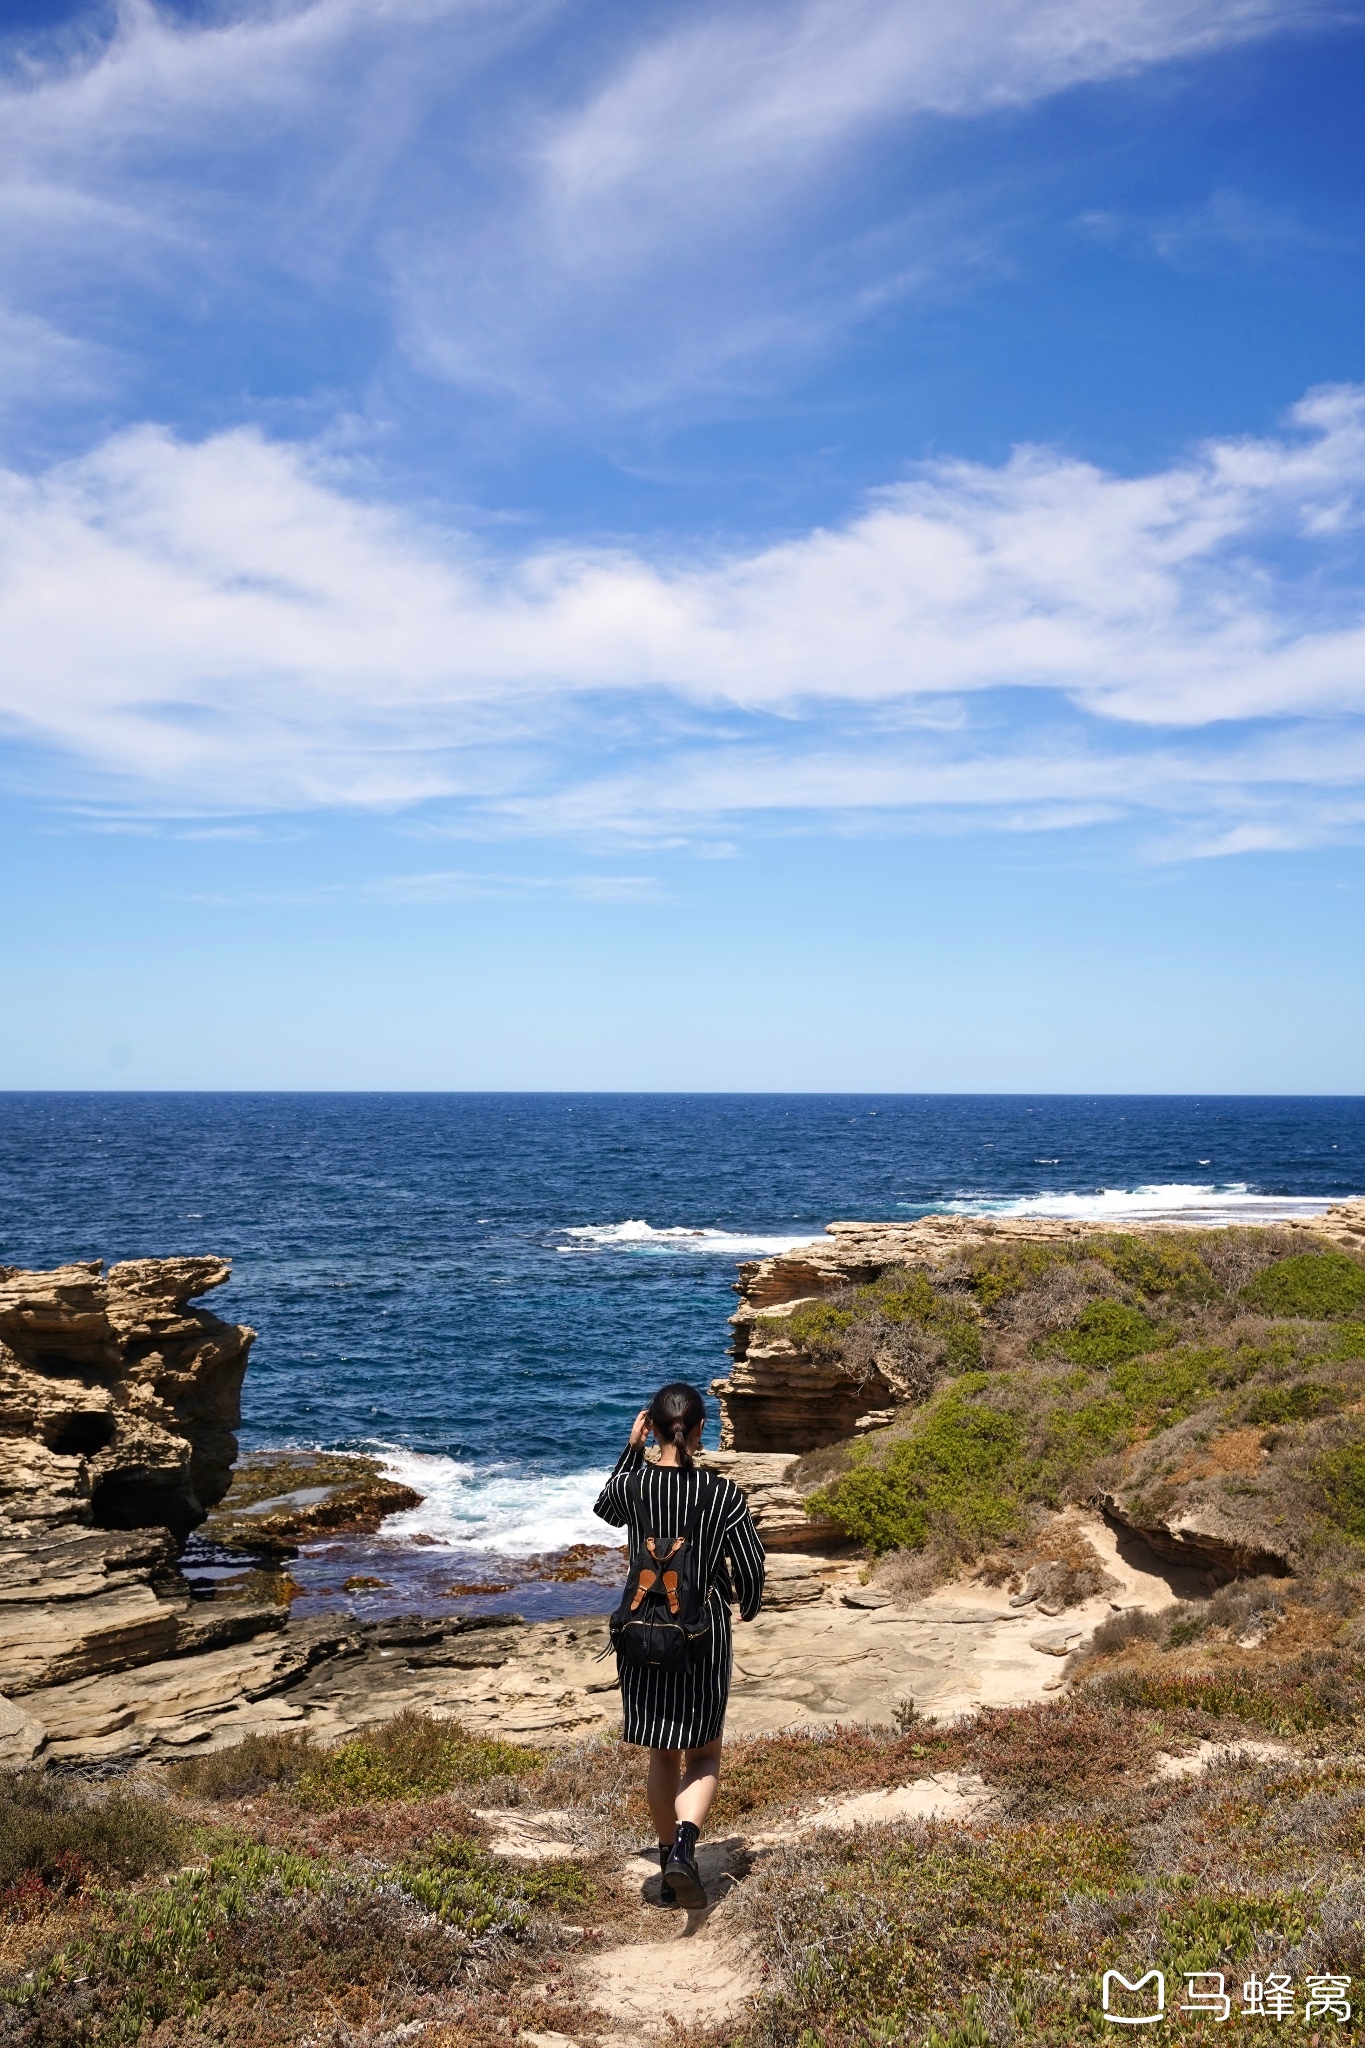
(119, 1402)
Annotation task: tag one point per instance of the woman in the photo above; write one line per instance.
(679, 1716)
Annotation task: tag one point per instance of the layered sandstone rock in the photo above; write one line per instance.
(778, 1508)
(781, 1397)
(118, 1401)
(118, 1404)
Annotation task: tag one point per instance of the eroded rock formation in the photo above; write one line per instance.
(118, 1400)
(118, 1406)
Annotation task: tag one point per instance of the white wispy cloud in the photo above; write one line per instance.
(448, 885)
(227, 626)
(631, 208)
(632, 229)
(1228, 226)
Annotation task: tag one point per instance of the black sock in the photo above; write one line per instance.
(685, 1841)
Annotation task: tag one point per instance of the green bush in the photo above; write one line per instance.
(998, 1272)
(413, 1756)
(252, 1765)
(989, 1445)
(1341, 1474)
(56, 1837)
(1163, 1265)
(814, 1326)
(1300, 1402)
(900, 1297)
(905, 1296)
(950, 1467)
(1321, 1690)
(1108, 1333)
(269, 1937)
(1322, 1285)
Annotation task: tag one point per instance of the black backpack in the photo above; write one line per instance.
(663, 1622)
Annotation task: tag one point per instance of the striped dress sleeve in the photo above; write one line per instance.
(611, 1501)
(748, 1562)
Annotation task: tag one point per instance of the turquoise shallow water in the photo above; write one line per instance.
(486, 1287)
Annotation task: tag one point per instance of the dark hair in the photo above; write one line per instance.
(675, 1412)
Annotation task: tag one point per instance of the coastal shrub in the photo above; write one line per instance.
(923, 1941)
(859, 1322)
(1302, 1401)
(1134, 1625)
(467, 1888)
(772, 1771)
(906, 1297)
(995, 1273)
(1321, 1285)
(997, 1934)
(1163, 1266)
(213, 1953)
(1324, 1689)
(55, 1836)
(1246, 1604)
(1108, 1333)
(414, 1756)
(1340, 1472)
(818, 1327)
(990, 1446)
(252, 1765)
(949, 1468)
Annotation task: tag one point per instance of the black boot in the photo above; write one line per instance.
(667, 1895)
(681, 1869)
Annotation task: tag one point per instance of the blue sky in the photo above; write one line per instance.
(795, 544)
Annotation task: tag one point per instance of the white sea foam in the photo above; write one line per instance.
(638, 1236)
(494, 1506)
(1172, 1201)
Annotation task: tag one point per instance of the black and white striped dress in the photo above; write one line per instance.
(686, 1709)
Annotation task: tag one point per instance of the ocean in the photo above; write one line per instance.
(483, 1289)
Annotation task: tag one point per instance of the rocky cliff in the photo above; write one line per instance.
(118, 1400)
(118, 1405)
(791, 1392)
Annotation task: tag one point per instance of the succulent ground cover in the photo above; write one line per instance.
(1225, 1366)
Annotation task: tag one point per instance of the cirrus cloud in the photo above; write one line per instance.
(565, 204)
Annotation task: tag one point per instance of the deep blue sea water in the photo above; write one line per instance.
(488, 1286)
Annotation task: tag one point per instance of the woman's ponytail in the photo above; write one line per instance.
(675, 1412)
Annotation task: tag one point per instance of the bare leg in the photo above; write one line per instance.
(661, 1789)
(700, 1783)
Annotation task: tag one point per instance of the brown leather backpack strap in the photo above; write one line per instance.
(642, 1586)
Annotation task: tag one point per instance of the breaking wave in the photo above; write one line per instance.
(1173, 1201)
(494, 1506)
(636, 1235)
